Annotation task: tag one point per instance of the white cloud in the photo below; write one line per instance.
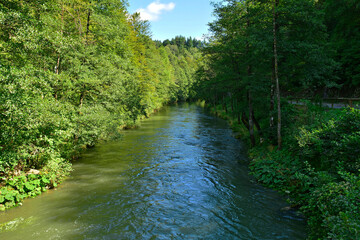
(153, 11)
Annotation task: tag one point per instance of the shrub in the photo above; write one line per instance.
(335, 145)
(17, 188)
(333, 209)
(319, 172)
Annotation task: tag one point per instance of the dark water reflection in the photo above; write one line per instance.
(181, 175)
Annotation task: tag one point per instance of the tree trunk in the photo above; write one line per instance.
(251, 120)
(57, 65)
(244, 120)
(79, 21)
(88, 25)
(238, 110)
(257, 125)
(224, 104)
(275, 30)
(251, 110)
(272, 98)
(82, 96)
(232, 105)
(57, 68)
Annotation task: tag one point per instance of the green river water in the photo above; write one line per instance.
(181, 175)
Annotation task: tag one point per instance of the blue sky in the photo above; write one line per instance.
(170, 18)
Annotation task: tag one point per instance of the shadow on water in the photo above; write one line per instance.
(181, 175)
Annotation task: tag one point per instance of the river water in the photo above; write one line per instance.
(181, 175)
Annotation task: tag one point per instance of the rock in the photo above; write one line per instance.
(33, 171)
(17, 172)
(286, 208)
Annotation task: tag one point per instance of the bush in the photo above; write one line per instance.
(320, 173)
(335, 145)
(288, 174)
(17, 188)
(333, 209)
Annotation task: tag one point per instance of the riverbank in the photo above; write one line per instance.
(22, 182)
(180, 175)
(317, 170)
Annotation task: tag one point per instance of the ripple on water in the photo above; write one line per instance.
(181, 175)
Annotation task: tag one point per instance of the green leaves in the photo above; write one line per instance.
(19, 187)
(9, 196)
(343, 27)
(337, 141)
(73, 73)
(29, 186)
(45, 181)
(334, 209)
(319, 172)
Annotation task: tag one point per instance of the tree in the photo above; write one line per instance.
(264, 41)
(276, 72)
(343, 24)
(74, 72)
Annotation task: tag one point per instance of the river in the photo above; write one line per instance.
(181, 175)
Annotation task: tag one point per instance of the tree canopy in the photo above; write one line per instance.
(74, 72)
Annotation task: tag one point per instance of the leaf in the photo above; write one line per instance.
(29, 186)
(45, 180)
(9, 197)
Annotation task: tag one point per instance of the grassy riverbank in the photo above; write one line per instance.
(64, 87)
(23, 182)
(317, 169)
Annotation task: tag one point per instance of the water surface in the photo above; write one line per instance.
(181, 175)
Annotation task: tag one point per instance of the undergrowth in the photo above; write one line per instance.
(317, 168)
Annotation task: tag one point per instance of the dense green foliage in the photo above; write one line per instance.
(240, 57)
(319, 170)
(72, 73)
(316, 53)
(335, 144)
(327, 196)
(260, 53)
(182, 42)
(342, 18)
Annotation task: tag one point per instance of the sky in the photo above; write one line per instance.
(170, 18)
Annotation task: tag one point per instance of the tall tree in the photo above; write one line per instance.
(264, 41)
(276, 71)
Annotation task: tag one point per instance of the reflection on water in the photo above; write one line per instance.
(181, 175)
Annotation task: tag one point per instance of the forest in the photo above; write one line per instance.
(260, 56)
(76, 72)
